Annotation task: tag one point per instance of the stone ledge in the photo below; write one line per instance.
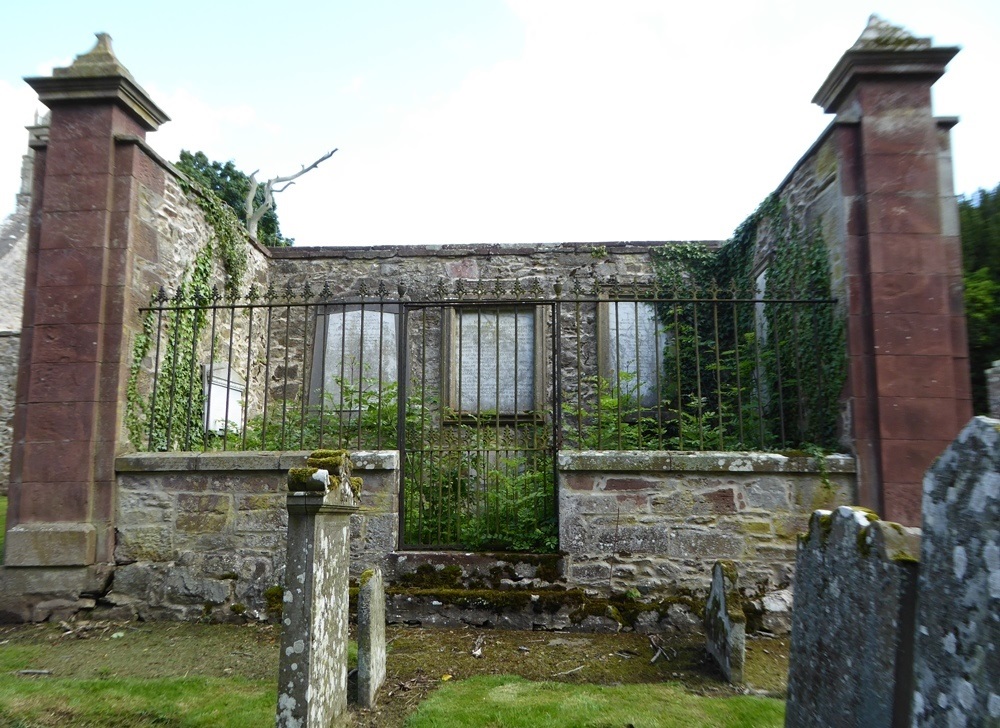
(51, 544)
(716, 462)
(163, 462)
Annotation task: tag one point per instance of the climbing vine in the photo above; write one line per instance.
(788, 392)
(170, 417)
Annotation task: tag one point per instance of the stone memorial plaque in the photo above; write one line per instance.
(495, 358)
(358, 350)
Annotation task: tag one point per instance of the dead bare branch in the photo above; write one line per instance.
(255, 212)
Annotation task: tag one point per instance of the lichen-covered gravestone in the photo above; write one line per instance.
(371, 636)
(855, 578)
(957, 654)
(725, 623)
(312, 673)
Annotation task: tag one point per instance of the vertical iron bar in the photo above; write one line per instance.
(246, 393)
(797, 351)
(306, 369)
(229, 374)
(658, 366)
(778, 376)
(156, 372)
(361, 371)
(284, 377)
(638, 374)
(378, 405)
(402, 365)
(697, 368)
(342, 382)
(322, 364)
(718, 367)
(208, 395)
(677, 373)
(173, 378)
(554, 433)
(579, 376)
(617, 374)
(739, 374)
(191, 384)
(267, 373)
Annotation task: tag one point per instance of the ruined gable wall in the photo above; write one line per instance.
(13, 253)
(170, 231)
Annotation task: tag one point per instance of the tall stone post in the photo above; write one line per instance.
(993, 390)
(312, 673)
(909, 374)
(73, 362)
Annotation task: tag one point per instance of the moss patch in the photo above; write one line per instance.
(366, 576)
(274, 598)
(329, 460)
(301, 479)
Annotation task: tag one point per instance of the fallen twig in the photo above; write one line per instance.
(568, 672)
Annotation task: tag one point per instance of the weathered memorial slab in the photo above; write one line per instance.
(854, 591)
(725, 623)
(957, 652)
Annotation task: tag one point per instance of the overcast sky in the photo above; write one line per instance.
(500, 121)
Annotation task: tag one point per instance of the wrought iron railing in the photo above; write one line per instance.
(478, 384)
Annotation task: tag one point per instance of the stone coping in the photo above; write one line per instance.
(451, 250)
(152, 462)
(583, 460)
(713, 462)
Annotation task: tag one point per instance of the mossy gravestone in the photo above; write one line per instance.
(855, 578)
(725, 623)
(957, 654)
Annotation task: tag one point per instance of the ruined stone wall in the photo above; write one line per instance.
(9, 347)
(658, 521)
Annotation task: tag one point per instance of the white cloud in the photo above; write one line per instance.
(222, 132)
(19, 105)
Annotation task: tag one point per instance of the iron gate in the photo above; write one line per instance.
(478, 436)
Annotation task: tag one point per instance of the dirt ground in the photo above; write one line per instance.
(419, 659)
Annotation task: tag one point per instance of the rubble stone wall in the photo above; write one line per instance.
(659, 521)
(9, 348)
(199, 532)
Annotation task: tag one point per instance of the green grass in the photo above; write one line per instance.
(129, 702)
(512, 702)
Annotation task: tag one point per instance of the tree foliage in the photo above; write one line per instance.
(979, 214)
(232, 185)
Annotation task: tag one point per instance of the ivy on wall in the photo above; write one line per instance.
(787, 390)
(171, 416)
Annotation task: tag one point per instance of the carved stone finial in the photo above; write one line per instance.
(98, 61)
(883, 50)
(881, 35)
